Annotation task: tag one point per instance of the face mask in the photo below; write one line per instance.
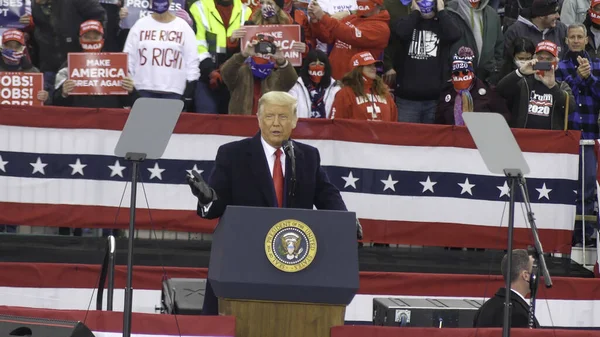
(12, 57)
(594, 16)
(91, 46)
(259, 69)
(316, 72)
(159, 6)
(268, 11)
(425, 6)
(474, 3)
(365, 7)
(519, 63)
(462, 80)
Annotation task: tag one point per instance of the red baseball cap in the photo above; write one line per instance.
(91, 25)
(363, 59)
(548, 46)
(13, 35)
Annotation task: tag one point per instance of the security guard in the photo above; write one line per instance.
(219, 28)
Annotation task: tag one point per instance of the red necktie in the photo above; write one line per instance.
(278, 178)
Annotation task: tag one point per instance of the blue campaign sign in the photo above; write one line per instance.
(139, 8)
(11, 11)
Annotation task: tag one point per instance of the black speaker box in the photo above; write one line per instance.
(41, 327)
(425, 313)
(183, 296)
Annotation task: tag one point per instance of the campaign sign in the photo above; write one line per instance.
(18, 88)
(137, 9)
(285, 35)
(111, 2)
(11, 11)
(98, 73)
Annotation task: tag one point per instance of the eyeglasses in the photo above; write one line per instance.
(459, 73)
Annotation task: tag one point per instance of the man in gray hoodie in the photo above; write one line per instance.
(539, 23)
(481, 31)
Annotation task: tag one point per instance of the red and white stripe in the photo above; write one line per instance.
(382, 146)
(571, 302)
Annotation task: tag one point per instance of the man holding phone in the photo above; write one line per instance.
(535, 98)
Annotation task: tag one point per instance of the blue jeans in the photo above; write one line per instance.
(204, 99)
(416, 111)
(49, 79)
(587, 169)
(154, 94)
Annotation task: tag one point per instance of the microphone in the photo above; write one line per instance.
(288, 148)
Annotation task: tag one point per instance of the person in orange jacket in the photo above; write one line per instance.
(367, 30)
(364, 95)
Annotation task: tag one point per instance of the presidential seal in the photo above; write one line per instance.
(290, 246)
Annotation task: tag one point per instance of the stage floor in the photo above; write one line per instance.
(193, 253)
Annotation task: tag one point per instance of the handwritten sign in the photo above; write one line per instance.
(285, 36)
(20, 88)
(98, 73)
(11, 11)
(137, 9)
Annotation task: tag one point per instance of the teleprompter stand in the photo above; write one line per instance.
(502, 155)
(145, 136)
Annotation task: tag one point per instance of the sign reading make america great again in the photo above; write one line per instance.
(284, 37)
(98, 73)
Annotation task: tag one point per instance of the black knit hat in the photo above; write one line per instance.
(544, 7)
(279, 3)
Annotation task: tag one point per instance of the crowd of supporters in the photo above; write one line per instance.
(420, 61)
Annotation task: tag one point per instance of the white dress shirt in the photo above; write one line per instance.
(270, 155)
(521, 296)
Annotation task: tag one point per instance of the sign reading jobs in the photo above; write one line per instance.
(98, 73)
(20, 88)
(285, 36)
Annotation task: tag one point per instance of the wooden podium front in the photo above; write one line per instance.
(277, 319)
(284, 272)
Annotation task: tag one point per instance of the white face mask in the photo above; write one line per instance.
(520, 63)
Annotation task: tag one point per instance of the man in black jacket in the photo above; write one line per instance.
(491, 314)
(57, 31)
(535, 98)
(424, 39)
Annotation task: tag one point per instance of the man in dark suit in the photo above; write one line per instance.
(491, 313)
(257, 172)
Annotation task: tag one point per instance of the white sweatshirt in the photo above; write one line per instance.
(304, 103)
(162, 56)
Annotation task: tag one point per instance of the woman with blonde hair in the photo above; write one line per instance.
(364, 95)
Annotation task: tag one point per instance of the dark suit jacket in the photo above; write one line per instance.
(241, 177)
(491, 313)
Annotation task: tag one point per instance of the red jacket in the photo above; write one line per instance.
(370, 108)
(352, 35)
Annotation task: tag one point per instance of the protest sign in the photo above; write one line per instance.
(20, 88)
(285, 36)
(11, 11)
(97, 73)
(137, 9)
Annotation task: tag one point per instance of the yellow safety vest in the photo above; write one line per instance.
(210, 31)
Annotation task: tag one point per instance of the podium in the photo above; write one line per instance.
(284, 272)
